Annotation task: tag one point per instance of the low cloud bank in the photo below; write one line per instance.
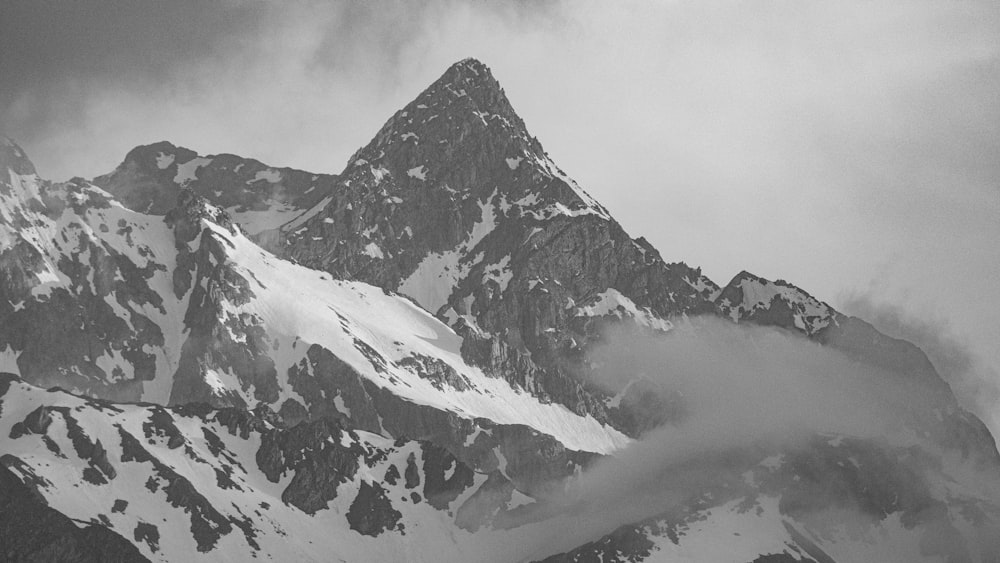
(745, 390)
(974, 381)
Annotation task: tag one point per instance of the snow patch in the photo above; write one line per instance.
(269, 176)
(373, 250)
(379, 173)
(187, 172)
(500, 273)
(418, 172)
(253, 222)
(338, 402)
(312, 212)
(164, 160)
(439, 272)
(612, 302)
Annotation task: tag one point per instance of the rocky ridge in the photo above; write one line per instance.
(257, 196)
(454, 205)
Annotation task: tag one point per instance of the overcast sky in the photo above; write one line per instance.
(850, 148)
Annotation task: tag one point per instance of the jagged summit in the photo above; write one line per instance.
(474, 82)
(462, 118)
(472, 63)
(472, 79)
(470, 72)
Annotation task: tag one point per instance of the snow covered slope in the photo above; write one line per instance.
(200, 484)
(387, 340)
(196, 484)
(185, 308)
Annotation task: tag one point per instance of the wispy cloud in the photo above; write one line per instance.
(747, 392)
(974, 381)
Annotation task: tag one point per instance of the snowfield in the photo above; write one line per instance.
(300, 307)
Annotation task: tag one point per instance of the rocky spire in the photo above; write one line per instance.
(461, 121)
(478, 84)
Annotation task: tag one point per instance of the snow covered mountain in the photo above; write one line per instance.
(397, 362)
(195, 483)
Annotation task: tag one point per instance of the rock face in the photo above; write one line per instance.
(456, 205)
(404, 350)
(372, 513)
(259, 197)
(236, 479)
(69, 296)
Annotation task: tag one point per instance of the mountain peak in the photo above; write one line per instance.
(470, 72)
(464, 112)
(471, 84)
(472, 63)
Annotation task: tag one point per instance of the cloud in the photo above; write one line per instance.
(849, 133)
(976, 384)
(748, 392)
(301, 84)
(743, 384)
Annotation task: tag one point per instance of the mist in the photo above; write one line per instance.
(748, 392)
(975, 382)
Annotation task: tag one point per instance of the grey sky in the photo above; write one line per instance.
(852, 148)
